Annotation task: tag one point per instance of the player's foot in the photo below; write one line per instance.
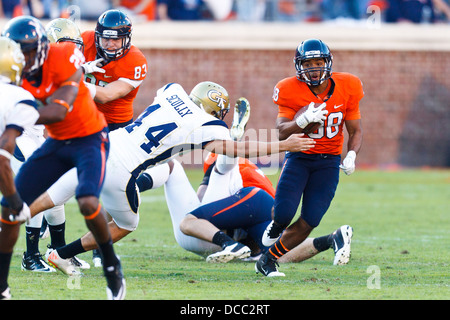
(267, 266)
(271, 234)
(6, 294)
(65, 265)
(35, 263)
(342, 239)
(233, 251)
(96, 258)
(240, 118)
(79, 263)
(116, 286)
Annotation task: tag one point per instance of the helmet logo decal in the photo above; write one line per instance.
(110, 33)
(216, 96)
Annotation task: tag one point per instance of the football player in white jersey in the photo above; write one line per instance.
(175, 122)
(18, 112)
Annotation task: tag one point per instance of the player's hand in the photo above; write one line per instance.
(22, 216)
(348, 165)
(312, 114)
(299, 142)
(91, 66)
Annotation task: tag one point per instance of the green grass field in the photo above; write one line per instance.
(400, 250)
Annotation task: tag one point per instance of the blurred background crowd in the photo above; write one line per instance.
(390, 11)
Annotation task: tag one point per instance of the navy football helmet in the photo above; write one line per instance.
(313, 49)
(30, 34)
(113, 24)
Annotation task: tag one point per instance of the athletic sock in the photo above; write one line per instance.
(57, 235)
(323, 243)
(222, 239)
(71, 250)
(32, 240)
(277, 250)
(109, 258)
(5, 261)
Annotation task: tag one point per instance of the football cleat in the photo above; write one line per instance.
(271, 234)
(5, 295)
(233, 251)
(65, 265)
(116, 285)
(267, 266)
(77, 262)
(240, 118)
(35, 263)
(342, 239)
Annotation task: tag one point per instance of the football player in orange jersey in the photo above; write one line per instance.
(314, 174)
(116, 68)
(77, 137)
(115, 71)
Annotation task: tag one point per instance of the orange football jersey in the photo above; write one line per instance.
(132, 66)
(291, 95)
(250, 173)
(83, 119)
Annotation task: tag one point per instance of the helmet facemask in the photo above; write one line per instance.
(313, 76)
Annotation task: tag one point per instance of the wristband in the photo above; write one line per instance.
(5, 153)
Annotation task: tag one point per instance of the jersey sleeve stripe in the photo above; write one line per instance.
(31, 103)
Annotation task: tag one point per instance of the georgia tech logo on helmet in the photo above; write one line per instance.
(216, 96)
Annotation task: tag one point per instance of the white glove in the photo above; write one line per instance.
(312, 114)
(348, 165)
(92, 89)
(91, 66)
(22, 216)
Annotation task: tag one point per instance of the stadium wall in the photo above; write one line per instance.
(404, 69)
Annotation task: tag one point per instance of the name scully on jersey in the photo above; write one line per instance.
(176, 103)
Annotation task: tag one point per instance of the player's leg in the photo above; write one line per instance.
(181, 199)
(91, 168)
(32, 260)
(289, 190)
(241, 210)
(33, 178)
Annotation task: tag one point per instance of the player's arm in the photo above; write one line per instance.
(61, 101)
(355, 134)
(248, 149)
(112, 91)
(286, 127)
(7, 145)
(7, 186)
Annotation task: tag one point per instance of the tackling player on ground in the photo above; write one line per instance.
(312, 174)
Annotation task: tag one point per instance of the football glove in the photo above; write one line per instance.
(91, 66)
(348, 165)
(22, 216)
(312, 114)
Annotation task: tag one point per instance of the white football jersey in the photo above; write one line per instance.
(17, 108)
(170, 125)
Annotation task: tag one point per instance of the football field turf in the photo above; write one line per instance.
(400, 250)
